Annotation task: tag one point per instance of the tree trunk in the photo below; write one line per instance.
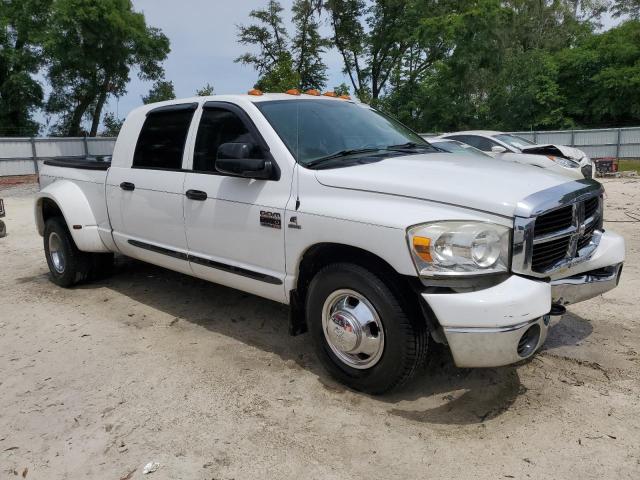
(76, 118)
(97, 114)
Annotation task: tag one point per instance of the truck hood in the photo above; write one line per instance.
(557, 150)
(489, 185)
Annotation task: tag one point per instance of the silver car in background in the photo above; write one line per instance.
(567, 160)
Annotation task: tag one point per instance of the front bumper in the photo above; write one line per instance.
(584, 286)
(489, 327)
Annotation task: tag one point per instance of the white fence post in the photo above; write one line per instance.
(34, 154)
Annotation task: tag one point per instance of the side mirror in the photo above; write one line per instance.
(233, 159)
(498, 149)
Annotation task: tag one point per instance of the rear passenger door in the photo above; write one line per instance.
(146, 200)
(234, 225)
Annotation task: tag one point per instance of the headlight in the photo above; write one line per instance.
(564, 162)
(451, 248)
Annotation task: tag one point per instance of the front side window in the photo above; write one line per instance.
(315, 129)
(162, 139)
(476, 141)
(218, 126)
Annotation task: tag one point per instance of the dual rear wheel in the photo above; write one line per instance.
(68, 265)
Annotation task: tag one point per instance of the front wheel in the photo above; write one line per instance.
(361, 332)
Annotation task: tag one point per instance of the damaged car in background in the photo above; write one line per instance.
(569, 161)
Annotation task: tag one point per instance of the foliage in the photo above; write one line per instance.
(600, 77)
(92, 47)
(22, 23)
(161, 91)
(112, 125)
(283, 62)
(630, 8)
(342, 89)
(205, 91)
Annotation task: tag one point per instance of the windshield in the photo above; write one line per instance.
(514, 140)
(317, 129)
(457, 147)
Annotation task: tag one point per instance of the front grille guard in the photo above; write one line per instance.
(570, 193)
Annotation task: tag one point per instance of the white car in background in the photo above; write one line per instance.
(506, 146)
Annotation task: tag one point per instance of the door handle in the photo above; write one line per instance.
(198, 195)
(127, 186)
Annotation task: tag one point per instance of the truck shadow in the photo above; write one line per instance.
(452, 395)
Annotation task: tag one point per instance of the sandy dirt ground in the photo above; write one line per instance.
(150, 365)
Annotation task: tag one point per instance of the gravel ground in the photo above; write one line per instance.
(150, 365)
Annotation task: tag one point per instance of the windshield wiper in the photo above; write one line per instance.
(410, 146)
(340, 154)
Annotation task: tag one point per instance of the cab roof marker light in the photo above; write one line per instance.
(293, 91)
(255, 92)
(329, 94)
(313, 92)
(345, 97)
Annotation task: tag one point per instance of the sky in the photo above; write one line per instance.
(204, 45)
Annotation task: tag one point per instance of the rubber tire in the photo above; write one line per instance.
(3, 229)
(406, 335)
(77, 263)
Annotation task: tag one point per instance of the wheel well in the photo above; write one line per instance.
(319, 256)
(47, 209)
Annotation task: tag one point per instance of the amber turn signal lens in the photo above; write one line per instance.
(313, 92)
(329, 94)
(293, 91)
(345, 97)
(422, 247)
(255, 92)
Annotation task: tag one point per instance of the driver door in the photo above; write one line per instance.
(234, 226)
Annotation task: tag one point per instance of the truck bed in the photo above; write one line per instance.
(83, 163)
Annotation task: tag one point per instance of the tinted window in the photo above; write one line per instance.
(459, 147)
(162, 139)
(219, 126)
(514, 140)
(480, 143)
(313, 129)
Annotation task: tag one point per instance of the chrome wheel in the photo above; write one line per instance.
(56, 253)
(353, 329)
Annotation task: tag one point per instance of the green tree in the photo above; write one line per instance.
(308, 46)
(600, 77)
(630, 8)
(112, 125)
(280, 78)
(268, 34)
(371, 37)
(205, 91)
(162, 90)
(283, 62)
(92, 48)
(342, 89)
(22, 23)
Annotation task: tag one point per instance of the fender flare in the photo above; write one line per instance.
(77, 213)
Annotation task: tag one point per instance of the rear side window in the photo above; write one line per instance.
(162, 139)
(218, 126)
(480, 143)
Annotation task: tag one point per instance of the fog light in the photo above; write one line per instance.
(529, 341)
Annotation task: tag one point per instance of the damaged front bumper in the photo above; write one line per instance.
(509, 322)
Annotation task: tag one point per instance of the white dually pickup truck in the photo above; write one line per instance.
(380, 243)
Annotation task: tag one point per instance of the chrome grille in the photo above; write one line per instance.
(554, 233)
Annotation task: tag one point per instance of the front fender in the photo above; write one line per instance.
(77, 213)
